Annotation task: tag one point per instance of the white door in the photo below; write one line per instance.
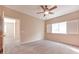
(9, 31)
(12, 34)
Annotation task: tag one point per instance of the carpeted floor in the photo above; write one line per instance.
(41, 47)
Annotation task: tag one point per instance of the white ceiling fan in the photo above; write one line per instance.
(46, 10)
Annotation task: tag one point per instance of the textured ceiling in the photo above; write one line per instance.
(33, 9)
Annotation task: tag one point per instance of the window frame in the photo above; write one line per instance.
(59, 28)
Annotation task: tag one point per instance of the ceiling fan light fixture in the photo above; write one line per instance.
(46, 12)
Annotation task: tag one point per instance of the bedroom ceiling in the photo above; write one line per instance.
(33, 9)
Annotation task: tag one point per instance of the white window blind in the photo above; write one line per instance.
(59, 27)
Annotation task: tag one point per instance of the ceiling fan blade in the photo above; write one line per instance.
(42, 7)
(46, 7)
(39, 12)
(52, 8)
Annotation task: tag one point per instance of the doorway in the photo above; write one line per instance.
(11, 32)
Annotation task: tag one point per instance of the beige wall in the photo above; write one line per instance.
(65, 38)
(31, 29)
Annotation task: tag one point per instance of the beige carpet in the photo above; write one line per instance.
(41, 47)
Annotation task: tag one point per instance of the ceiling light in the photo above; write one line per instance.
(46, 12)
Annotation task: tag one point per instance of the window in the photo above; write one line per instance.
(59, 28)
(67, 27)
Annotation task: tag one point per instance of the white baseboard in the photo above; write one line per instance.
(28, 41)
